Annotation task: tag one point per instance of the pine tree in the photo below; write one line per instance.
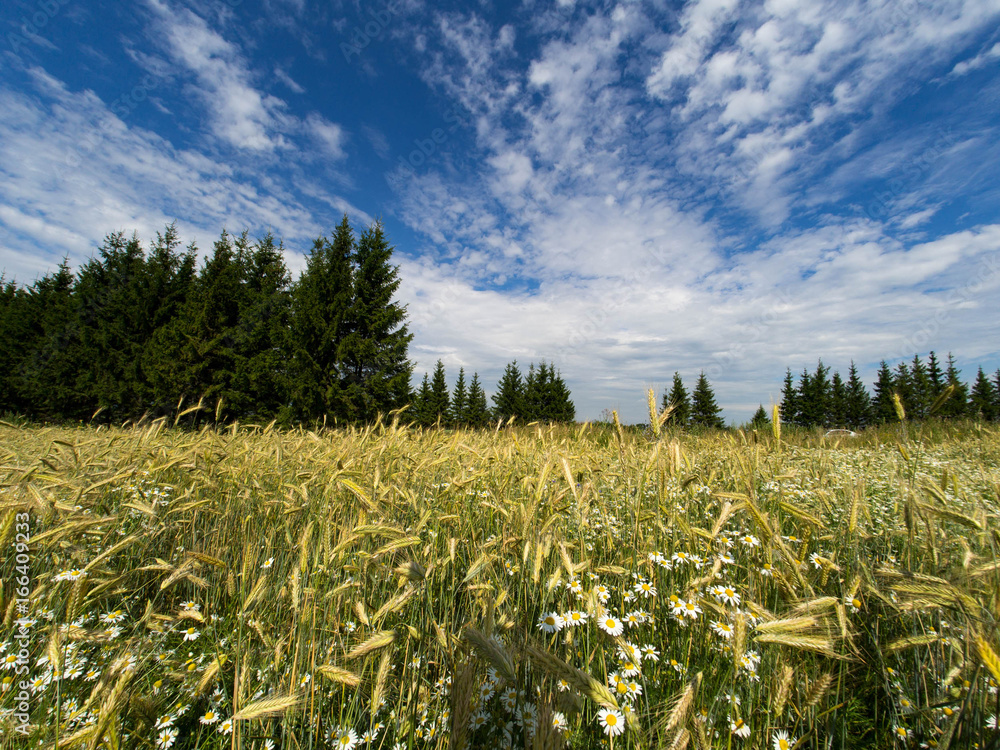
(376, 368)
(508, 400)
(437, 405)
(956, 406)
(760, 419)
(883, 410)
(982, 400)
(478, 413)
(460, 401)
(681, 403)
(789, 399)
(532, 396)
(704, 411)
(421, 406)
(858, 408)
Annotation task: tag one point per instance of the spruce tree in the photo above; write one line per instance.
(837, 409)
(921, 390)
(321, 299)
(561, 407)
(509, 398)
(532, 399)
(957, 404)
(789, 399)
(460, 401)
(421, 406)
(478, 413)
(858, 409)
(760, 419)
(883, 410)
(376, 368)
(704, 411)
(982, 399)
(805, 414)
(681, 403)
(437, 408)
(935, 376)
(903, 385)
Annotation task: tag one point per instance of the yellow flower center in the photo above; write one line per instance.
(611, 720)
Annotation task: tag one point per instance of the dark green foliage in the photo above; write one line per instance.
(437, 403)
(760, 419)
(857, 412)
(957, 404)
(459, 410)
(678, 398)
(836, 415)
(704, 411)
(789, 399)
(477, 413)
(133, 334)
(508, 401)
(376, 373)
(982, 400)
(921, 395)
(883, 410)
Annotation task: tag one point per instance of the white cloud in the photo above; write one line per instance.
(982, 59)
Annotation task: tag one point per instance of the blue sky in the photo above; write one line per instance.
(623, 189)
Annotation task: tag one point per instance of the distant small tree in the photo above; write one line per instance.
(680, 402)
(789, 399)
(508, 401)
(858, 411)
(837, 410)
(760, 419)
(883, 411)
(704, 411)
(437, 408)
(982, 402)
(957, 404)
(478, 413)
(460, 401)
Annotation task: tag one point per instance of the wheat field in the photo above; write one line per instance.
(537, 587)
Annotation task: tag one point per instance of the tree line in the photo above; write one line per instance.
(133, 333)
(924, 389)
(136, 333)
(539, 396)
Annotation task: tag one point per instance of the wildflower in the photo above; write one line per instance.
(267, 564)
(692, 610)
(559, 721)
(165, 721)
(226, 727)
(632, 619)
(650, 653)
(477, 720)
(816, 560)
(210, 717)
(739, 728)
(728, 595)
(73, 574)
(306, 679)
(906, 705)
(191, 634)
(782, 741)
(562, 685)
(190, 606)
(901, 733)
(602, 592)
(680, 558)
(575, 587)
(611, 625)
(645, 589)
(112, 618)
(727, 559)
(723, 628)
(750, 541)
(611, 721)
(551, 623)
(9, 661)
(853, 604)
(631, 669)
(992, 723)
(166, 738)
(766, 570)
(575, 617)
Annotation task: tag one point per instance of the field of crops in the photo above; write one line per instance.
(524, 587)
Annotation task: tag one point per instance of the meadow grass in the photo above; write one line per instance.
(537, 587)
